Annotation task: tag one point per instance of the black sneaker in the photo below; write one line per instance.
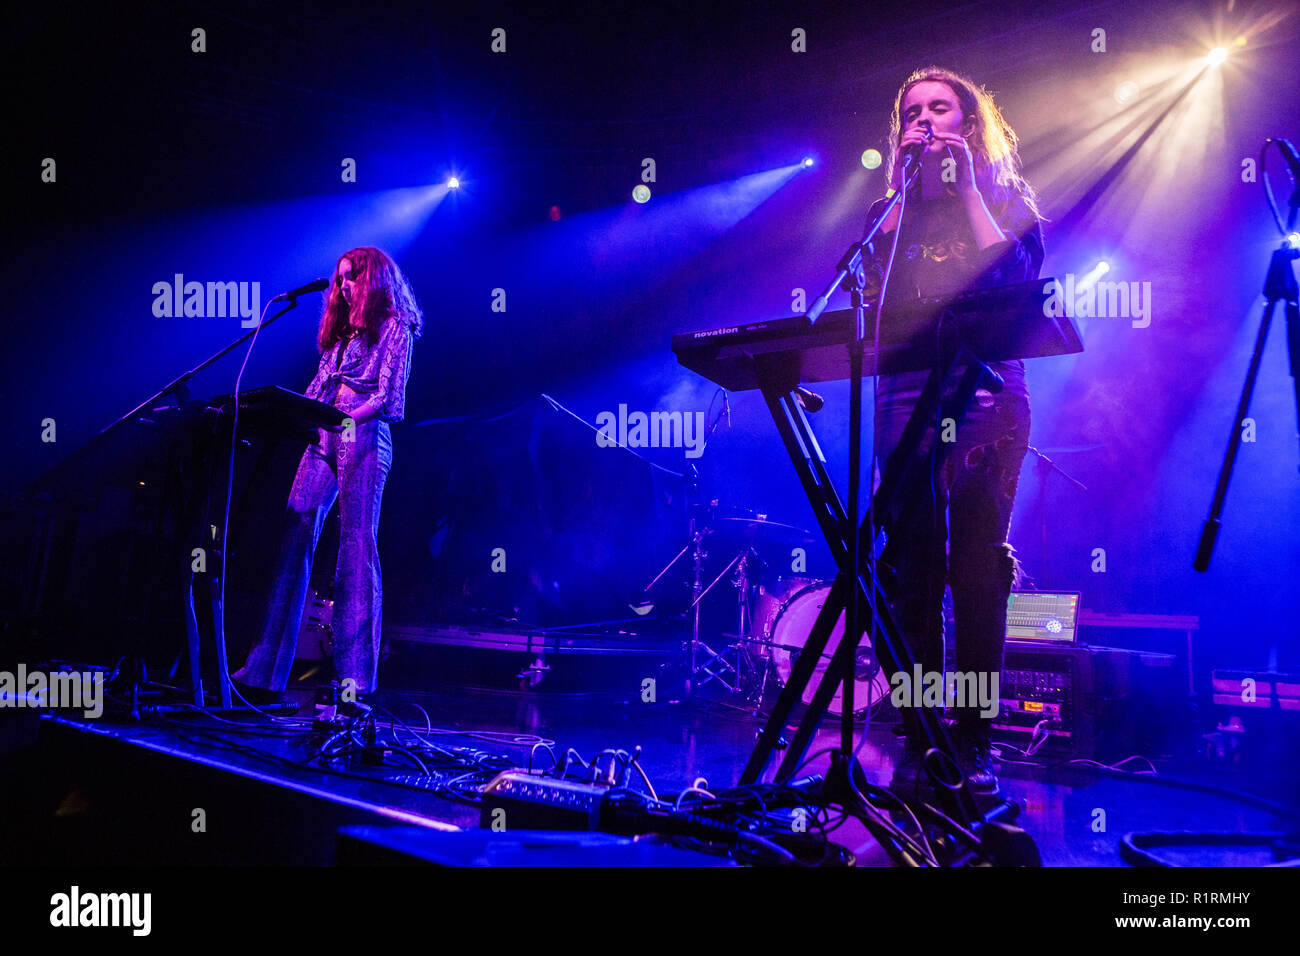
(979, 765)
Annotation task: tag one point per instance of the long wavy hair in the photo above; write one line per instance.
(993, 143)
(384, 293)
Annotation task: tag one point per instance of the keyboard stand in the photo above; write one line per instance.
(906, 474)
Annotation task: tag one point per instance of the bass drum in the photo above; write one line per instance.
(787, 631)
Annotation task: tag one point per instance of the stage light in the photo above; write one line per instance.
(871, 158)
(807, 162)
(1126, 92)
(453, 183)
(555, 214)
(1089, 278)
(1293, 240)
(1217, 56)
(641, 193)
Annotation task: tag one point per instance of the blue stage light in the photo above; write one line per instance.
(453, 183)
(641, 193)
(807, 162)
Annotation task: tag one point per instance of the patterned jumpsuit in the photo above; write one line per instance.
(351, 466)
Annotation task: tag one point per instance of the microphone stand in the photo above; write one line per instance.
(851, 276)
(1279, 286)
(1044, 467)
(177, 386)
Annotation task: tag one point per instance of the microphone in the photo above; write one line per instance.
(810, 400)
(315, 285)
(912, 154)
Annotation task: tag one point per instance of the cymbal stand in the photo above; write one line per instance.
(695, 545)
(737, 647)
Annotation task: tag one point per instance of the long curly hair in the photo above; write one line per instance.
(384, 293)
(993, 143)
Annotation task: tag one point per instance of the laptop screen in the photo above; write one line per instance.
(1050, 616)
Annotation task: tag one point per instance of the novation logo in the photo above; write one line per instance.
(208, 300)
(653, 430)
(74, 908)
(61, 690)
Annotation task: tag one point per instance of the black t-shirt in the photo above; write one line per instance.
(938, 255)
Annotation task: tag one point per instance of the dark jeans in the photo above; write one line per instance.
(957, 537)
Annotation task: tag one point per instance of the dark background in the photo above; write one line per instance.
(225, 165)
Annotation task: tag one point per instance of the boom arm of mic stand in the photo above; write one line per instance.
(852, 259)
(180, 380)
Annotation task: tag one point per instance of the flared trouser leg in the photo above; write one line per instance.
(358, 590)
(314, 489)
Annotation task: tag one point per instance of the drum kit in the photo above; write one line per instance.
(774, 612)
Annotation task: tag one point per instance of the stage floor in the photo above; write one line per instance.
(156, 771)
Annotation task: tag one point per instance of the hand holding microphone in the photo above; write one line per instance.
(911, 146)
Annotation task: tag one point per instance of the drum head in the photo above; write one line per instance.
(790, 629)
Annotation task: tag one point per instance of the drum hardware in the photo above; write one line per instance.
(759, 524)
(741, 667)
(700, 516)
(737, 667)
(781, 628)
(316, 636)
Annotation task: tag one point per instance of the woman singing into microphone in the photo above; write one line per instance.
(970, 222)
(367, 330)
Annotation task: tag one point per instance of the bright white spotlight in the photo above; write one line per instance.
(453, 183)
(871, 158)
(807, 162)
(1126, 93)
(641, 193)
(1089, 278)
(1293, 240)
(1217, 56)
